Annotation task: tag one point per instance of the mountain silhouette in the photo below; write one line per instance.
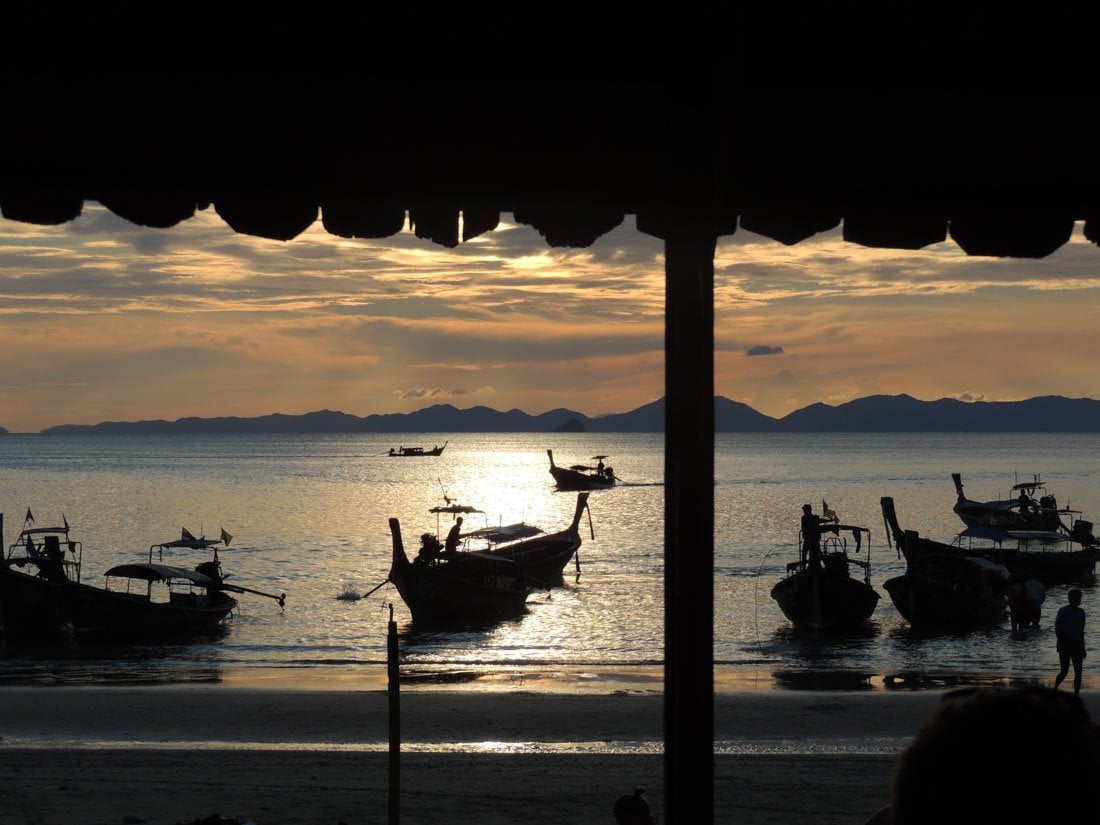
(903, 413)
(876, 413)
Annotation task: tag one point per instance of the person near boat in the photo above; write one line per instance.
(51, 561)
(1069, 629)
(453, 538)
(1017, 604)
(1036, 594)
(812, 527)
(429, 548)
(1024, 501)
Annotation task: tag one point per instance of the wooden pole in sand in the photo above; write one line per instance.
(3, 632)
(395, 722)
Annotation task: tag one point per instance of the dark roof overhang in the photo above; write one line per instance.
(787, 143)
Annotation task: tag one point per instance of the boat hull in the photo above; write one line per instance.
(36, 609)
(96, 613)
(572, 481)
(824, 601)
(542, 560)
(997, 514)
(32, 608)
(439, 595)
(944, 587)
(417, 452)
(1051, 567)
(928, 603)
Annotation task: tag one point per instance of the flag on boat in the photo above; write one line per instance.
(29, 518)
(226, 538)
(66, 522)
(185, 535)
(826, 513)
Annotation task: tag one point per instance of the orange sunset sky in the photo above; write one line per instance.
(106, 321)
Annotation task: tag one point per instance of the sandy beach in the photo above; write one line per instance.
(168, 754)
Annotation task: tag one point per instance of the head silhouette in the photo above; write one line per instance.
(954, 769)
(807, 509)
(1074, 597)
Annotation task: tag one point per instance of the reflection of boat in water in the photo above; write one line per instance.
(943, 587)
(825, 596)
(1031, 540)
(43, 596)
(456, 587)
(582, 476)
(539, 557)
(416, 452)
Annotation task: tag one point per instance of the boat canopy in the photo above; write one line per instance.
(159, 572)
(1000, 535)
(506, 532)
(38, 531)
(191, 544)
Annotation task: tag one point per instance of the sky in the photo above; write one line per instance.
(107, 321)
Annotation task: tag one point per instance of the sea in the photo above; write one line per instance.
(308, 517)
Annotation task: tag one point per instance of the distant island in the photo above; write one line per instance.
(874, 414)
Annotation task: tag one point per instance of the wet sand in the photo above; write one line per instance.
(163, 755)
(274, 755)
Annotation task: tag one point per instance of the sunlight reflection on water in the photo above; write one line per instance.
(309, 516)
(799, 747)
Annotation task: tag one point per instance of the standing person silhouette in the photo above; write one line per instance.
(811, 537)
(1069, 629)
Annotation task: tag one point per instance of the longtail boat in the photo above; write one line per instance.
(462, 587)
(944, 587)
(416, 452)
(42, 595)
(822, 594)
(582, 476)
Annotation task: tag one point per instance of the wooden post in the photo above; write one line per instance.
(689, 523)
(3, 631)
(395, 722)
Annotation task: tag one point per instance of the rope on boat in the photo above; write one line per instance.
(756, 590)
(377, 587)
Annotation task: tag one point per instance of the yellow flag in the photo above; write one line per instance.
(226, 537)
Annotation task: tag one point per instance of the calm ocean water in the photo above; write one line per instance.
(309, 518)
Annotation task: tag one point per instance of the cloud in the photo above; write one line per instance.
(970, 397)
(438, 392)
(763, 349)
(103, 320)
